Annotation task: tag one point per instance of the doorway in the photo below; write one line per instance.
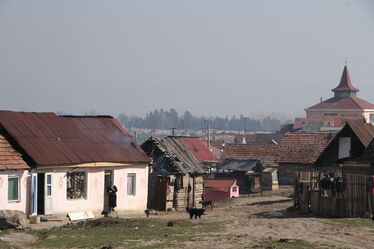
(41, 192)
(108, 178)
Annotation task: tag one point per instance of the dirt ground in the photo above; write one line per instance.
(251, 222)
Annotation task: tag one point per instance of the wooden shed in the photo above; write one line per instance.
(247, 174)
(176, 180)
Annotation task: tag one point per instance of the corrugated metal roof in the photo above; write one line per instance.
(49, 139)
(219, 184)
(199, 149)
(9, 157)
(175, 158)
(240, 165)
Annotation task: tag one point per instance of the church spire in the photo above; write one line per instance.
(345, 88)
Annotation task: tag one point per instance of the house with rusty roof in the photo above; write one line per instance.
(220, 189)
(73, 159)
(14, 178)
(177, 173)
(299, 152)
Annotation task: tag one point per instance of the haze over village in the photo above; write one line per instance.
(187, 124)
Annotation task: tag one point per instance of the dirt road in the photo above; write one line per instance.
(253, 222)
(249, 222)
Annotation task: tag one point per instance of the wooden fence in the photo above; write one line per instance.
(355, 201)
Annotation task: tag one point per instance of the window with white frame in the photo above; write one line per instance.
(13, 188)
(76, 183)
(131, 184)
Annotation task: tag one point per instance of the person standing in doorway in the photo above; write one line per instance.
(112, 192)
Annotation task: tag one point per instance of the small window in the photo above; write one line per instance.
(131, 184)
(76, 185)
(234, 189)
(372, 118)
(13, 188)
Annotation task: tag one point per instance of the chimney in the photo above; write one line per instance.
(320, 99)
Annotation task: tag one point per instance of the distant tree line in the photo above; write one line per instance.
(161, 119)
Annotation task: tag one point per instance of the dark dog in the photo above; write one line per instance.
(197, 212)
(207, 204)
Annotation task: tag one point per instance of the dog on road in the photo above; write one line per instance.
(197, 212)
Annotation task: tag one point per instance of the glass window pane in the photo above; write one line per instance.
(49, 179)
(76, 185)
(49, 190)
(131, 184)
(13, 188)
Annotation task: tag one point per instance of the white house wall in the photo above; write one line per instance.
(23, 203)
(94, 200)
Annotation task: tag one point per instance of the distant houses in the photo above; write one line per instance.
(53, 165)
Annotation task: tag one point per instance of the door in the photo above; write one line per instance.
(34, 194)
(48, 208)
(108, 178)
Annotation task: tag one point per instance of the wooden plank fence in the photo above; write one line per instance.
(355, 201)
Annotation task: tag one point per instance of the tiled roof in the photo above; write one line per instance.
(9, 157)
(267, 154)
(219, 184)
(343, 103)
(199, 149)
(51, 140)
(303, 148)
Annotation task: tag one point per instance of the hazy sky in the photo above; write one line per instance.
(210, 57)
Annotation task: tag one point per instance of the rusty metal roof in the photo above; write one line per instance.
(49, 139)
(9, 157)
